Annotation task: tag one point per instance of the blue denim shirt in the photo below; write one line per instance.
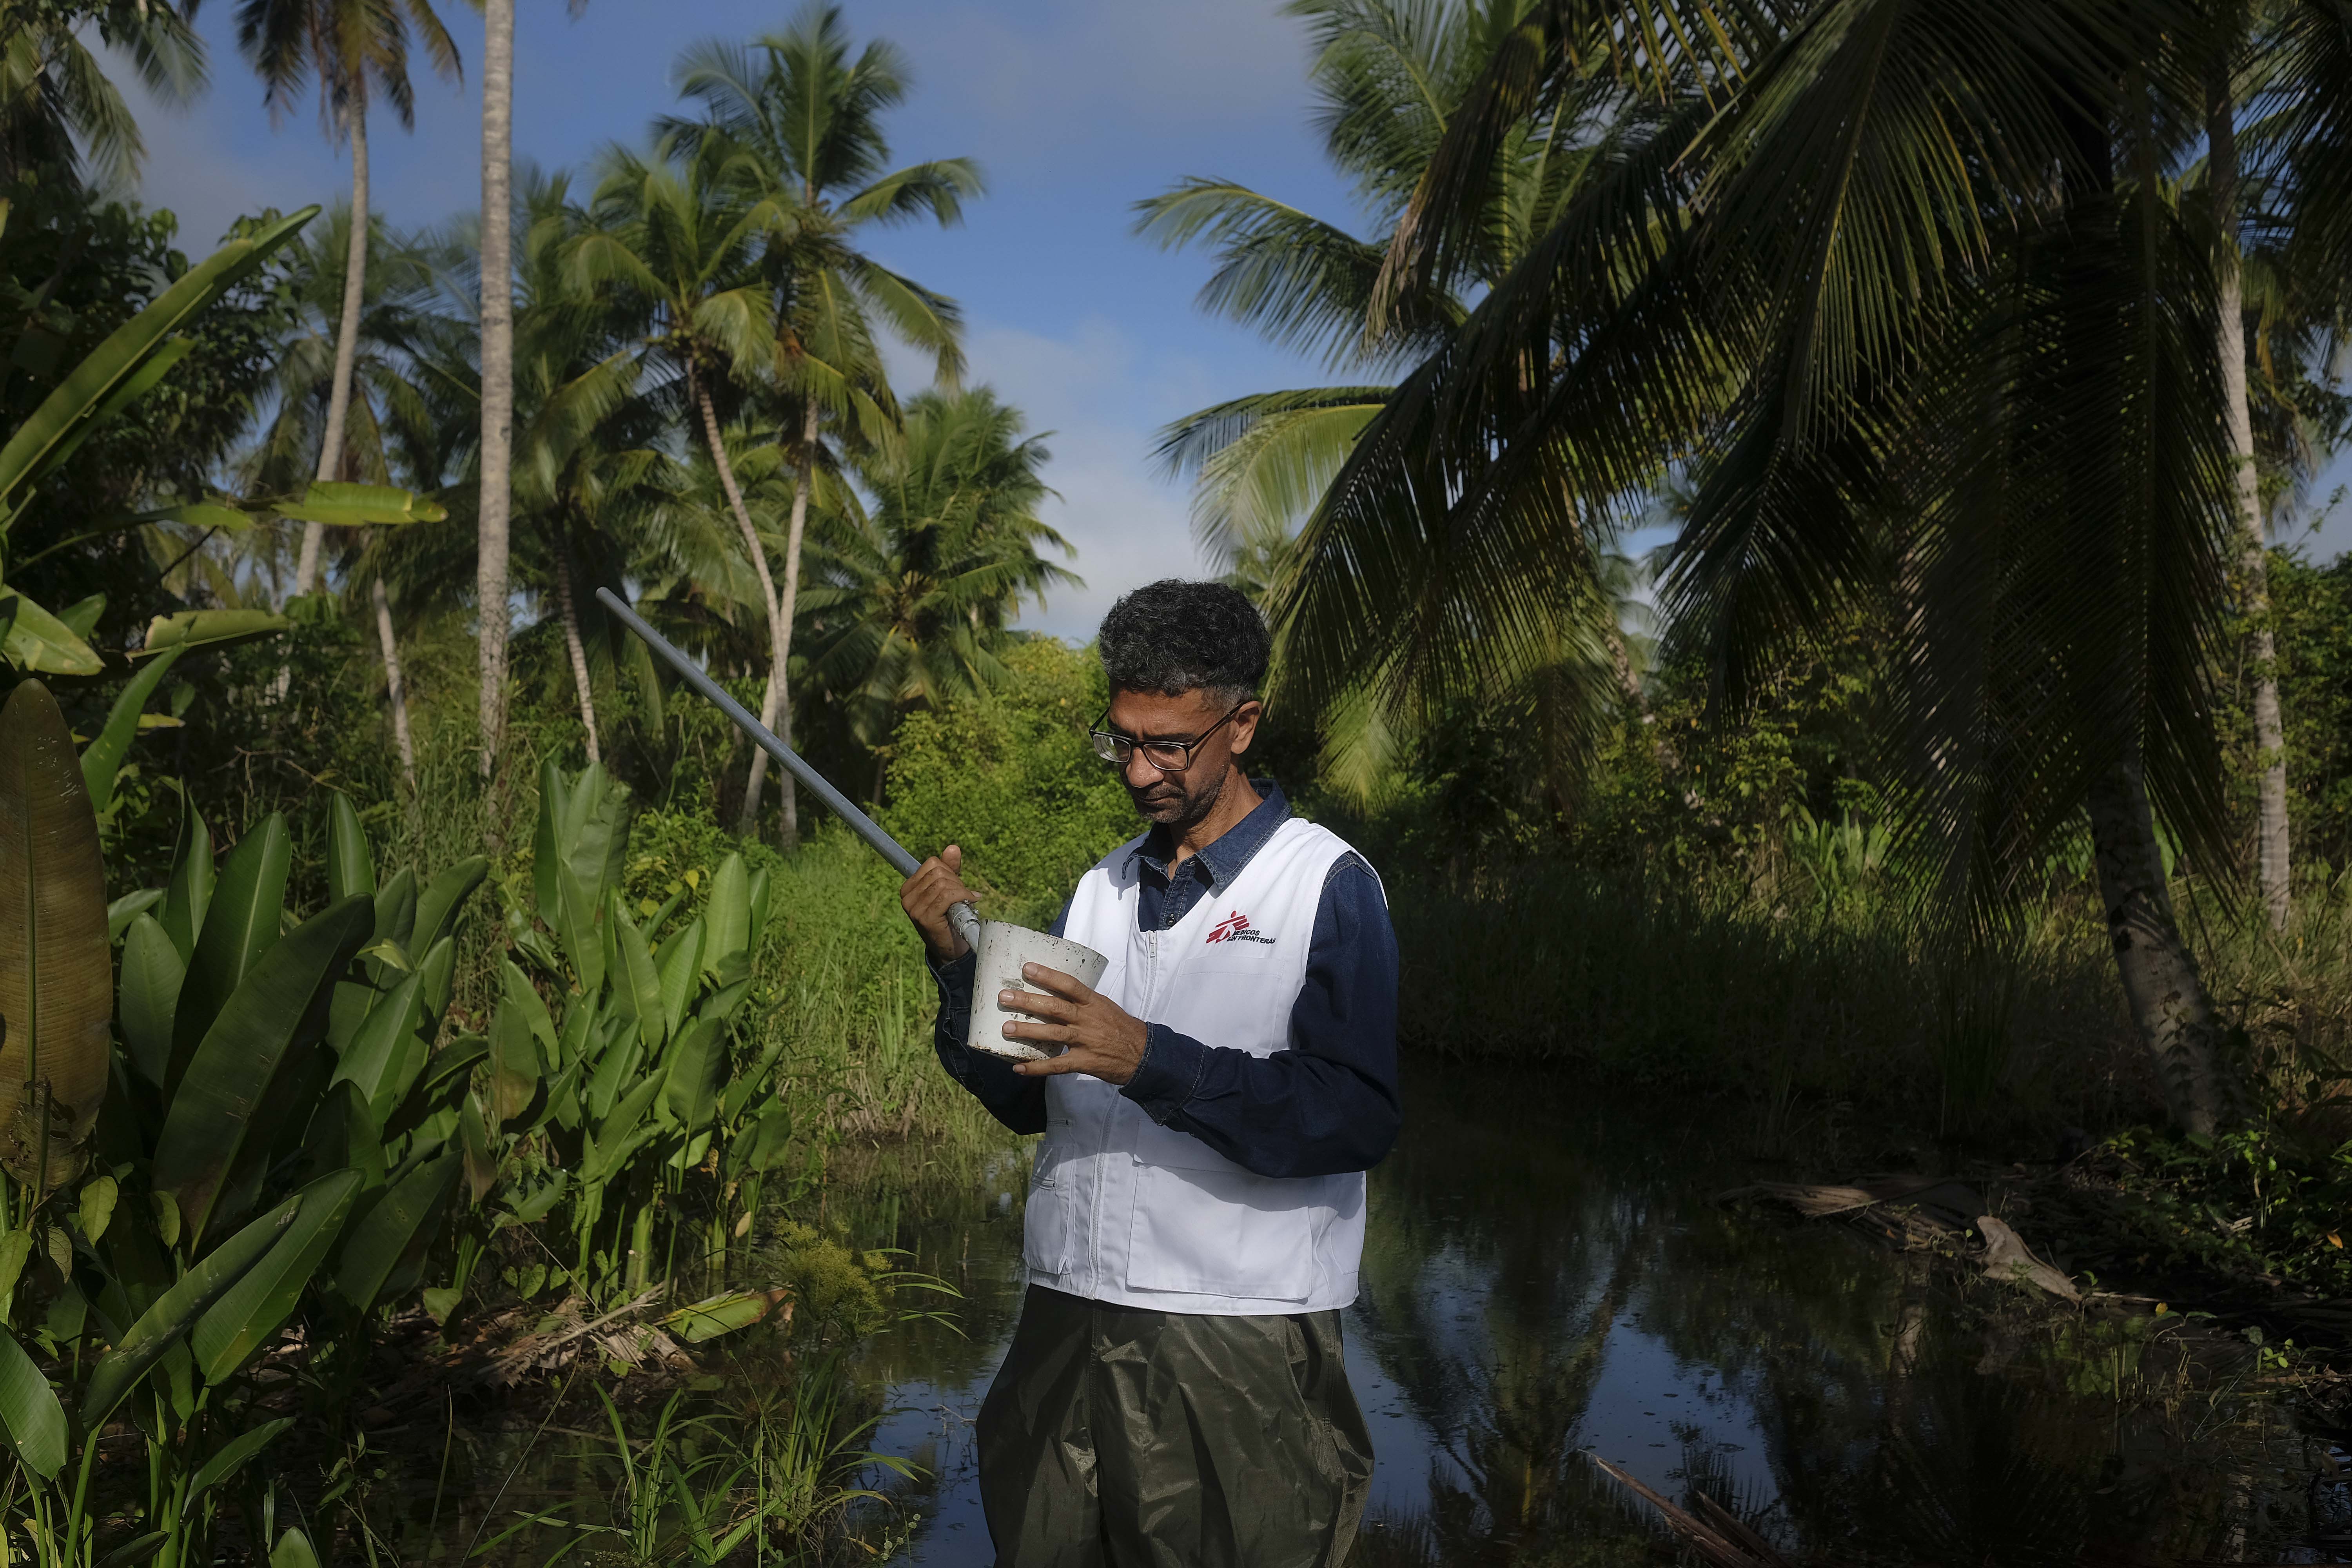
(1327, 1105)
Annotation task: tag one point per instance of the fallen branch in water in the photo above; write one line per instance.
(1720, 1537)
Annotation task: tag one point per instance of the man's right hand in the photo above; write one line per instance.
(927, 895)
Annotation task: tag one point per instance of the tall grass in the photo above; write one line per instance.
(1781, 997)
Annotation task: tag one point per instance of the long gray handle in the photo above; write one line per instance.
(959, 916)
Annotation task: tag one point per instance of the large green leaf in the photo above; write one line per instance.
(517, 1069)
(233, 1456)
(34, 1420)
(207, 628)
(278, 1011)
(360, 506)
(189, 898)
(87, 387)
(394, 1234)
(727, 918)
(350, 865)
(637, 985)
(293, 1551)
(616, 1136)
(241, 924)
(57, 963)
(443, 899)
(243, 1322)
(377, 1060)
(81, 616)
(152, 974)
(716, 1315)
(102, 758)
(160, 1327)
(39, 643)
(697, 1073)
(679, 963)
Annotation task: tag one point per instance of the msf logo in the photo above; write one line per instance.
(1235, 927)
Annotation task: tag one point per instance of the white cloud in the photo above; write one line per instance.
(1103, 399)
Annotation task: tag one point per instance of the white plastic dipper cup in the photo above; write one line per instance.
(1003, 949)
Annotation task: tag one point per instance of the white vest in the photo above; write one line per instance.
(1124, 1210)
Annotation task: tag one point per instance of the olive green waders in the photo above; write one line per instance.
(1115, 1437)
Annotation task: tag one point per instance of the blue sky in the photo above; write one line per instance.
(1073, 108)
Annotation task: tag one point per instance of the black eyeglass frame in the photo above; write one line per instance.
(1108, 742)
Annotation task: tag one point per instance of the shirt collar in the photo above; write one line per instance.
(1224, 857)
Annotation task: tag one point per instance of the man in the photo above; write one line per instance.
(1174, 1395)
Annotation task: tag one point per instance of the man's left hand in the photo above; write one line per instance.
(1102, 1038)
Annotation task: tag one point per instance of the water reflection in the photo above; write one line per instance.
(1544, 1276)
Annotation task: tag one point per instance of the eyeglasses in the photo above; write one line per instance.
(1168, 756)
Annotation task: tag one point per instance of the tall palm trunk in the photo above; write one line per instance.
(497, 369)
(2166, 996)
(2271, 832)
(789, 833)
(394, 685)
(347, 343)
(569, 608)
(701, 395)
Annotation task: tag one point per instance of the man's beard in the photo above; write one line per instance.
(1174, 809)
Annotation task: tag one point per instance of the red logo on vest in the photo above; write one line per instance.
(1235, 927)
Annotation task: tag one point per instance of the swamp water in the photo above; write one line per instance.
(1544, 1276)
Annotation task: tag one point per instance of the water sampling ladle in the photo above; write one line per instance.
(1003, 947)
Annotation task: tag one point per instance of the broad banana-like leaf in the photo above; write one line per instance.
(129, 908)
(679, 963)
(637, 985)
(280, 1009)
(189, 898)
(350, 865)
(39, 643)
(102, 758)
(152, 974)
(770, 1139)
(582, 828)
(727, 918)
(360, 506)
(130, 390)
(614, 1067)
(742, 1086)
(87, 386)
(443, 899)
(239, 1326)
(396, 907)
(160, 1326)
(29, 1412)
(207, 628)
(56, 960)
(716, 1315)
(516, 1070)
(201, 514)
(697, 1073)
(437, 1088)
(344, 1135)
(374, 1062)
(759, 890)
(438, 970)
(81, 616)
(393, 1235)
(232, 1458)
(241, 924)
(474, 1142)
(517, 991)
(613, 1143)
(293, 1551)
(139, 1548)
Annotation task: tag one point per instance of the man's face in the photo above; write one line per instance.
(1179, 799)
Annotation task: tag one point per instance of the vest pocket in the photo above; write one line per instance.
(1045, 1217)
(1221, 1233)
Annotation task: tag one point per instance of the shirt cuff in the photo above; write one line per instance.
(1168, 1074)
(955, 979)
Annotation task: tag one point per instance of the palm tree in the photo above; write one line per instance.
(396, 316)
(1937, 337)
(908, 601)
(672, 242)
(356, 49)
(56, 107)
(807, 119)
(1388, 76)
(493, 508)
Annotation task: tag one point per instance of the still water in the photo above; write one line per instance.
(1545, 1278)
